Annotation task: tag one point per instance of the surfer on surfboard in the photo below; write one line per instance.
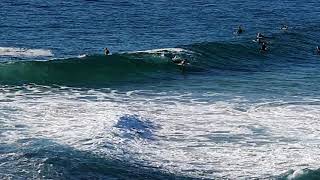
(318, 50)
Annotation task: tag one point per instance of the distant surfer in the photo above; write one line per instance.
(260, 38)
(106, 51)
(180, 62)
(264, 47)
(284, 27)
(318, 50)
(183, 62)
(240, 30)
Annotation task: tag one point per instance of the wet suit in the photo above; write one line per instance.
(263, 47)
(240, 30)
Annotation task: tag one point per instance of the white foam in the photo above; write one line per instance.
(162, 50)
(211, 140)
(24, 52)
(82, 56)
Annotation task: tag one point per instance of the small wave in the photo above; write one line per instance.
(24, 52)
(301, 174)
(154, 64)
(94, 70)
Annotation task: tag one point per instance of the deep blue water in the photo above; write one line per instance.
(70, 112)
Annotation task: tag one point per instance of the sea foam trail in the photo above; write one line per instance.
(24, 52)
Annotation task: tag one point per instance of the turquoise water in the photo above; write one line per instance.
(70, 112)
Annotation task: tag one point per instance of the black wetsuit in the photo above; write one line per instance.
(263, 47)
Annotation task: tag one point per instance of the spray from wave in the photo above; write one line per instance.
(24, 52)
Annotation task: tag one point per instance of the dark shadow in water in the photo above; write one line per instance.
(133, 126)
(44, 159)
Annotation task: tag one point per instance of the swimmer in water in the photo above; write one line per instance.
(240, 30)
(284, 27)
(106, 51)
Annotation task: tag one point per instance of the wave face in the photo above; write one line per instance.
(89, 69)
(157, 64)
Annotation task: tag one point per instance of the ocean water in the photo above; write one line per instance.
(69, 112)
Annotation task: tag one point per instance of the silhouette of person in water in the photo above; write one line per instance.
(318, 50)
(106, 51)
(240, 30)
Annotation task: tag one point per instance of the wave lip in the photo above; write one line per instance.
(177, 50)
(24, 52)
